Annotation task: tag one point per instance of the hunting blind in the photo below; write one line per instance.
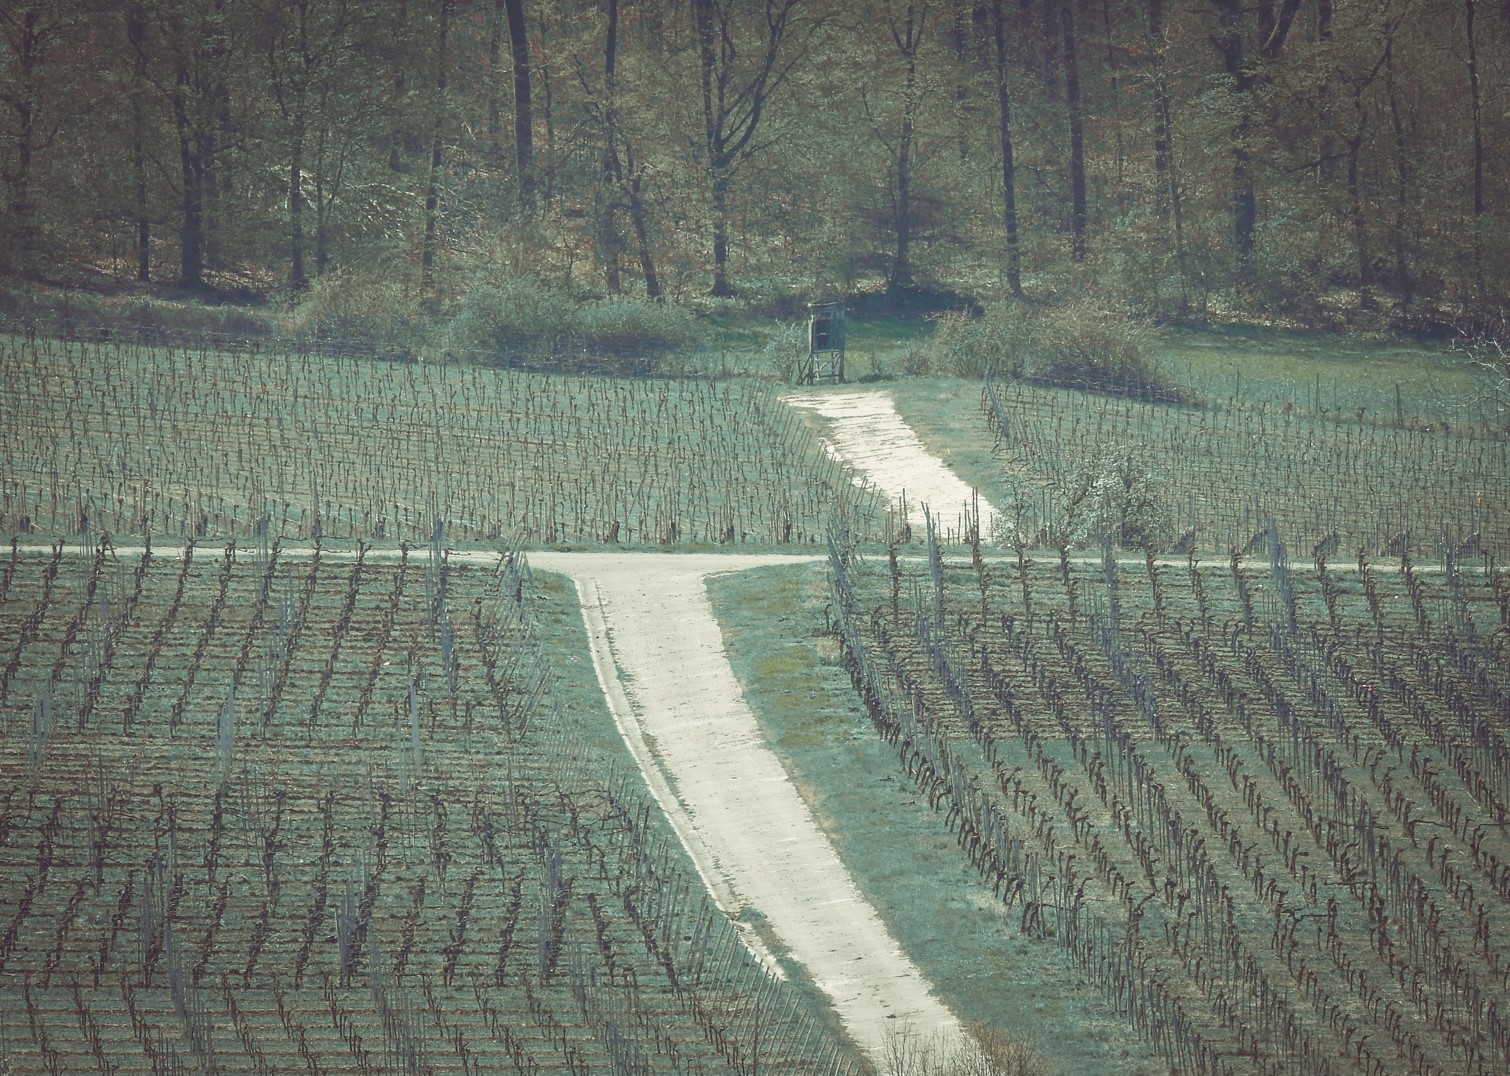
(825, 343)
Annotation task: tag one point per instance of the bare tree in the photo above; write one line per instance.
(31, 31)
(1008, 159)
(300, 50)
(737, 84)
(907, 35)
(1244, 67)
(524, 116)
(431, 240)
(1076, 113)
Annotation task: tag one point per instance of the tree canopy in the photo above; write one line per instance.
(1181, 156)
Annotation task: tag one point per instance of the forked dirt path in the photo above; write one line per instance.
(660, 659)
(865, 430)
(659, 656)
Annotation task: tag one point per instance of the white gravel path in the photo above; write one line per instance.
(865, 430)
(660, 659)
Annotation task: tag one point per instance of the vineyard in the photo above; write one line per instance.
(326, 780)
(313, 809)
(1260, 804)
(127, 439)
(1221, 472)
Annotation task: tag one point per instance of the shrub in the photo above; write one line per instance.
(1082, 344)
(148, 319)
(1019, 519)
(983, 1051)
(522, 320)
(351, 312)
(516, 314)
(1086, 345)
(916, 363)
(1113, 496)
(966, 345)
(785, 350)
(622, 324)
(1487, 347)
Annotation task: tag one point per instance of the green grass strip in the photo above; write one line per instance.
(899, 851)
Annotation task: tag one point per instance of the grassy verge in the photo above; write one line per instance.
(900, 852)
(946, 414)
(1340, 375)
(1323, 372)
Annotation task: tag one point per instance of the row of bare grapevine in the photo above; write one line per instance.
(133, 440)
(1282, 832)
(464, 880)
(1327, 480)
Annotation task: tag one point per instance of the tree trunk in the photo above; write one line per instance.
(1357, 211)
(432, 182)
(1325, 169)
(610, 174)
(621, 177)
(215, 132)
(1243, 201)
(1077, 129)
(432, 227)
(191, 220)
(136, 33)
(719, 162)
(907, 38)
(547, 113)
(191, 151)
(959, 41)
(296, 278)
(1114, 87)
(1355, 208)
(1475, 104)
(397, 150)
(642, 240)
(524, 119)
(18, 180)
(322, 207)
(719, 189)
(1265, 9)
(298, 125)
(1008, 164)
(900, 278)
(21, 206)
(1166, 173)
(495, 102)
(1404, 284)
(1245, 76)
(1053, 39)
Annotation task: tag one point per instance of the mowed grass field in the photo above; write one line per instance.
(331, 799)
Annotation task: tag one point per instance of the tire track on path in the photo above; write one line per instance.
(865, 431)
(660, 659)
